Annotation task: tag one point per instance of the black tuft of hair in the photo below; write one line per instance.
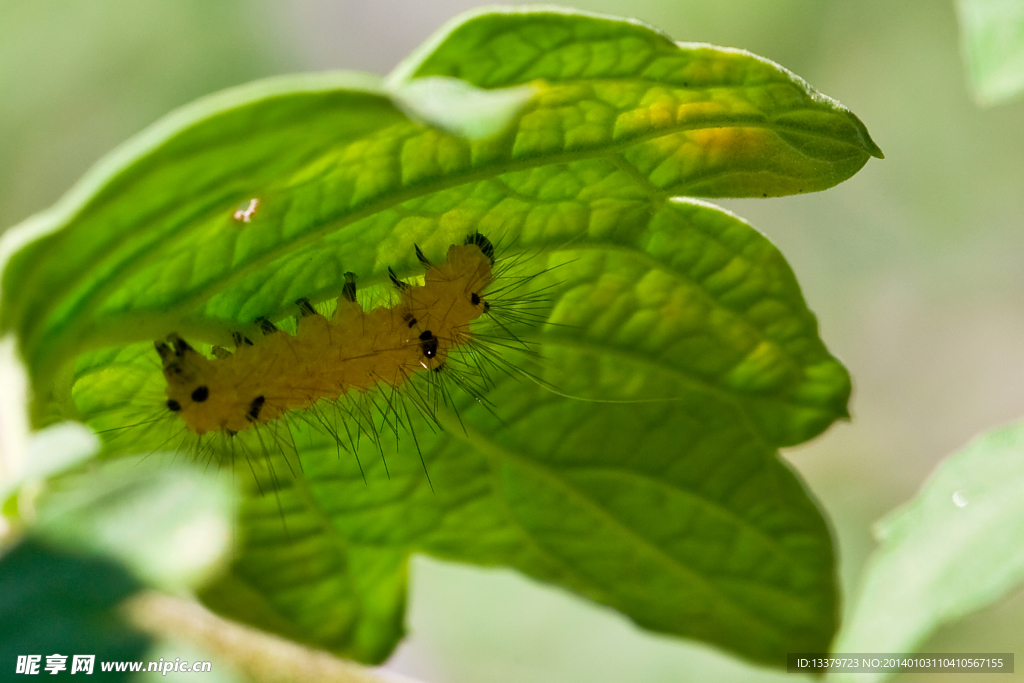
(266, 327)
(349, 290)
(485, 245)
(401, 286)
(424, 261)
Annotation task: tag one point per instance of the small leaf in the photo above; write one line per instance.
(53, 602)
(461, 109)
(953, 549)
(49, 452)
(170, 525)
(992, 37)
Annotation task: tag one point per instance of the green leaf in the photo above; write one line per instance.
(640, 471)
(169, 524)
(690, 530)
(49, 452)
(953, 549)
(53, 602)
(459, 108)
(992, 38)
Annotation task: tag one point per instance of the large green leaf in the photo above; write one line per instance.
(641, 472)
(953, 549)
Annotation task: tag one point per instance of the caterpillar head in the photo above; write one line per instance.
(454, 297)
(197, 392)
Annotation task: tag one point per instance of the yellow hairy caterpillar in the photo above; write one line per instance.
(349, 355)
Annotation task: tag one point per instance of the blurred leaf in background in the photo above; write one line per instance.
(76, 544)
(48, 452)
(992, 40)
(956, 547)
(170, 524)
(53, 601)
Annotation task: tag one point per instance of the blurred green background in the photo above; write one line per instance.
(913, 266)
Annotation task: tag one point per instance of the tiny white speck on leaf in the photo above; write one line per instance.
(246, 213)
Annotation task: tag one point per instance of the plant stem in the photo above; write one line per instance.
(260, 656)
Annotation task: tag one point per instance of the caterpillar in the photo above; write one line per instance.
(337, 359)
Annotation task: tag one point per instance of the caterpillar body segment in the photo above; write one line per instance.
(353, 352)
